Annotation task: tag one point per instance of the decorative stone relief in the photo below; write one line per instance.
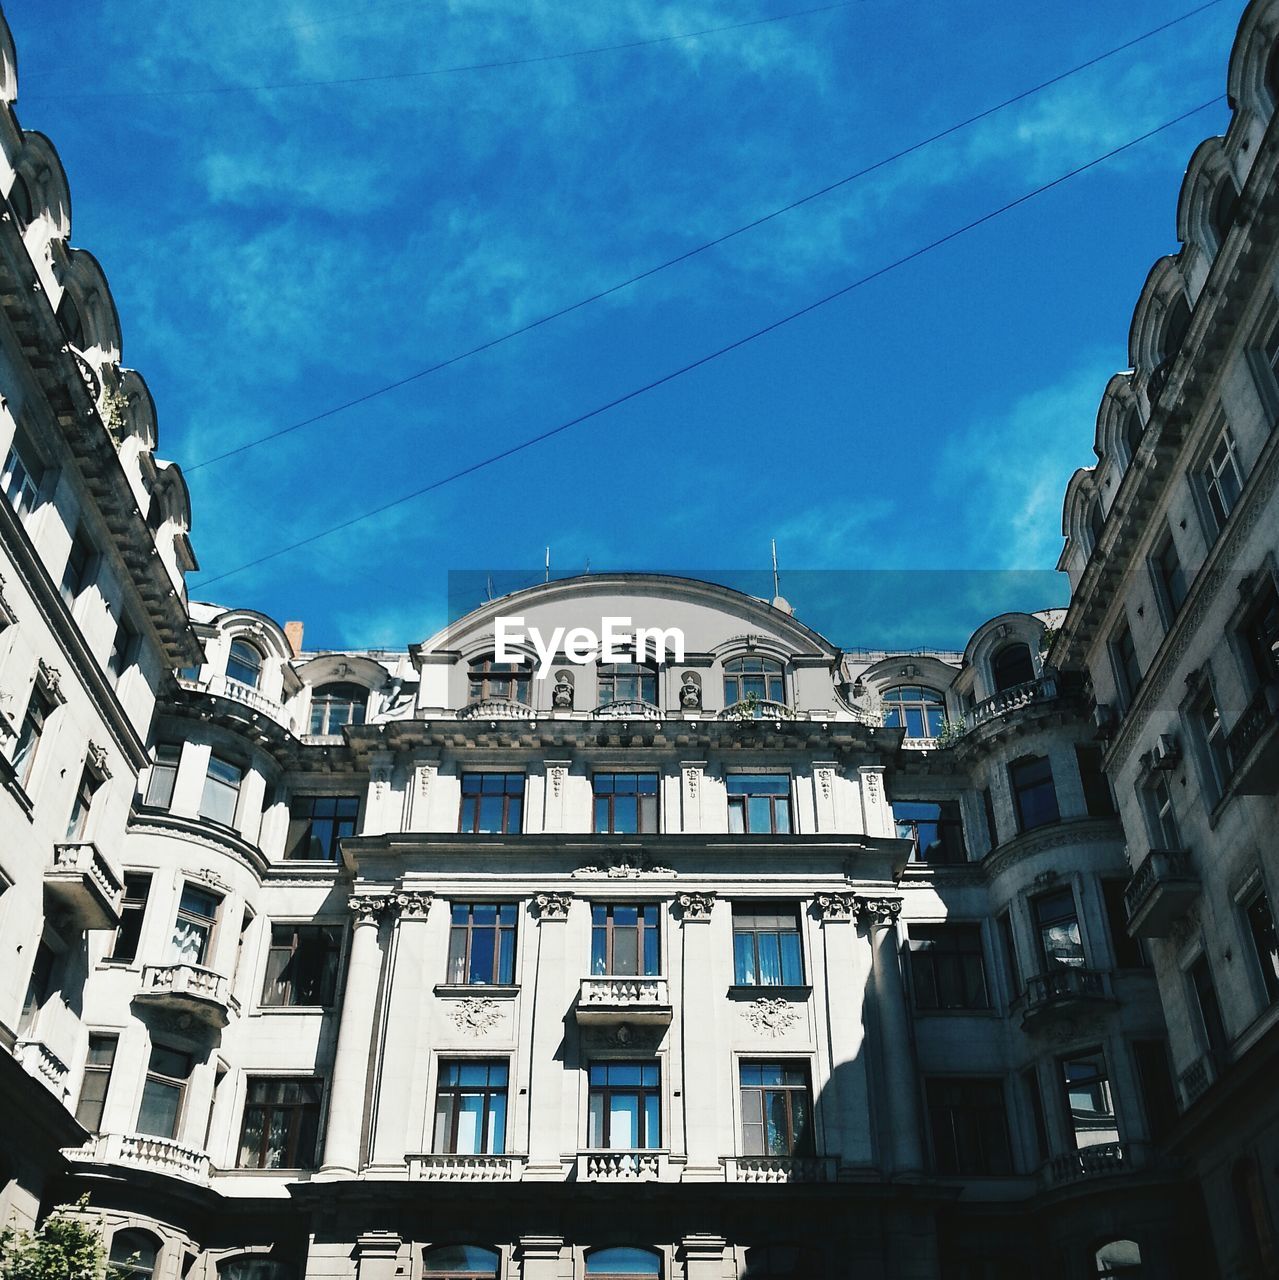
(696, 906)
(476, 1015)
(211, 878)
(96, 759)
(625, 864)
(691, 779)
(562, 692)
(836, 906)
(51, 679)
(380, 776)
(413, 904)
(877, 910)
(690, 693)
(772, 1017)
(558, 773)
(552, 906)
(368, 908)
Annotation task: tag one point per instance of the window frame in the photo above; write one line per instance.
(287, 988)
(755, 911)
(301, 830)
(221, 786)
(237, 663)
(26, 743)
(1265, 976)
(302, 1123)
(456, 1093)
(1101, 1081)
(982, 1162)
(1217, 508)
(644, 1092)
(1050, 957)
(22, 490)
(608, 676)
(648, 807)
(931, 710)
(162, 1080)
(1021, 789)
(196, 922)
(771, 677)
(739, 807)
(962, 941)
(604, 933)
(355, 699)
(503, 961)
(1125, 663)
(1168, 574)
(488, 680)
(94, 1071)
(129, 905)
(800, 1142)
(949, 823)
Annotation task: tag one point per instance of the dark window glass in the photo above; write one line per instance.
(21, 479)
(504, 680)
(193, 927)
(1260, 634)
(1060, 944)
(77, 575)
(281, 1123)
(302, 965)
(167, 1074)
(1098, 798)
(777, 1109)
(45, 973)
(78, 820)
(1170, 576)
(492, 803)
(1129, 952)
(625, 940)
(482, 944)
(134, 1254)
(1010, 954)
(969, 1126)
(1134, 429)
(1012, 666)
(1261, 928)
(782, 1262)
(624, 1106)
(626, 682)
(470, 1107)
(244, 663)
(759, 803)
(1030, 1082)
(123, 646)
(759, 678)
(1155, 1077)
(1034, 795)
(988, 809)
(27, 744)
(935, 829)
(137, 885)
(1090, 1107)
(97, 1076)
(1214, 747)
(1123, 655)
(1205, 992)
(333, 705)
(625, 803)
(766, 946)
(1160, 814)
(317, 823)
(21, 202)
(221, 795)
(1222, 479)
(915, 708)
(164, 773)
(947, 967)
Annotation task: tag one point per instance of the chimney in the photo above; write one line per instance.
(293, 634)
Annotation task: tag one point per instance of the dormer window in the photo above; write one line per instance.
(20, 201)
(759, 678)
(244, 664)
(1012, 666)
(915, 708)
(333, 705)
(502, 680)
(627, 682)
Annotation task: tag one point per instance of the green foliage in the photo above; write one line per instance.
(65, 1246)
(951, 732)
(748, 707)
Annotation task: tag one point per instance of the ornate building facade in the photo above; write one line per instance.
(770, 959)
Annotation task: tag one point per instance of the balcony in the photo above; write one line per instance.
(779, 1168)
(1064, 992)
(188, 989)
(38, 1060)
(1159, 893)
(1254, 746)
(449, 1167)
(1103, 1160)
(1044, 689)
(497, 709)
(142, 1151)
(83, 883)
(629, 709)
(1196, 1079)
(246, 695)
(622, 1166)
(756, 709)
(612, 1001)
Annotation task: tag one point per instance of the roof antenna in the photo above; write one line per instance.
(779, 602)
(548, 564)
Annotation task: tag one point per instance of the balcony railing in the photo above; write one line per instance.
(143, 1151)
(757, 709)
(1253, 746)
(1159, 893)
(632, 1000)
(1064, 990)
(41, 1062)
(1196, 1078)
(83, 882)
(1043, 689)
(621, 1166)
(1099, 1161)
(449, 1167)
(628, 709)
(497, 709)
(225, 687)
(188, 988)
(780, 1168)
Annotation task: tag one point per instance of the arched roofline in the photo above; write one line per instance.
(747, 646)
(1164, 283)
(253, 626)
(484, 645)
(1081, 488)
(324, 669)
(987, 638)
(930, 671)
(805, 639)
(37, 151)
(1118, 399)
(143, 421)
(88, 284)
(1246, 72)
(171, 484)
(1208, 165)
(8, 63)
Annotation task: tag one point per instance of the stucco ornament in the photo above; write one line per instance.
(836, 906)
(690, 692)
(562, 694)
(696, 906)
(552, 906)
(772, 1017)
(476, 1015)
(877, 910)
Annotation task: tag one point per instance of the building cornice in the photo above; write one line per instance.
(1057, 835)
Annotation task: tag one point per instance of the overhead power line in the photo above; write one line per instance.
(424, 73)
(718, 353)
(599, 295)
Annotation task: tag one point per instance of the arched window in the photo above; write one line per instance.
(1096, 522)
(626, 682)
(1272, 74)
(71, 320)
(626, 1264)
(254, 1266)
(1176, 324)
(1012, 666)
(1119, 1260)
(244, 663)
(505, 680)
(760, 678)
(915, 708)
(1221, 213)
(20, 201)
(1134, 429)
(460, 1262)
(134, 1254)
(333, 705)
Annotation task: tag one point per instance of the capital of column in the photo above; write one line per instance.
(552, 906)
(695, 906)
(836, 906)
(877, 911)
(413, 904)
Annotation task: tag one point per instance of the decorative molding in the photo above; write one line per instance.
(825, 780)
(836, 906)
(772, 1017)
(414, 904)
(369, 908)
(692, 778)
(552, 906)
(877, 911)
(476, 1015)
(696, 906)
(209, 877)
(624, 864)
(50, 679)
(380, 777)
(558, 773)
(1077, 831)
(96, 759)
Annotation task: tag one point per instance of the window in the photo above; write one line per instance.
(221, 791)
(317, 823)
(1170, 578)
(133, 907)
(1030, 1082)
(1213, 746)
(492, 803)
(1155, 1078)
(27, 743)
(193, 928)
(302, 965)
(460, 1262)
(969, 1126)
(1134, 429)
(123, 646)
(766, 947)
(1012, 665)
(21, 480)
(624, 1106)
(1222, 480)
(21, 202)
(97, 1076)
(333, 705)
(1119, 1260)
(164, 773)
(1265, 944)
(1161, 817)
(625, 803)
(918, 710)
(624, 1264)
(625, 940)
(988, 811)
(1034, 796)
(935, 829)
(1007, 942)
(72, 322)
(248, 1266)
(77, 575)
(470, 1107)
(1099, 800)
(78, 820)
(504, 680)
(1129, 951)
(281, 1123)
(759, 678)
(244, 663)
(759, 803)
(1060, 944)
(168, 1071)
(482, 944)
(134, 1254)
(781, 1262)
(947, 967)
(1123, 658)
(1260, 636)
(42, 984)
(1090, 1108)
(1212, 1029)
(626, 682)
(777, 1109)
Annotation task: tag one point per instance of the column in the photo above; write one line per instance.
(703, 1257)
(355, 1037)
(877, 813)
(699, 999)
(898, 1073)
(549, 1081)
(417, 796)
(691, 774)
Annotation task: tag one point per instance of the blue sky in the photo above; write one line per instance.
(274, 253)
